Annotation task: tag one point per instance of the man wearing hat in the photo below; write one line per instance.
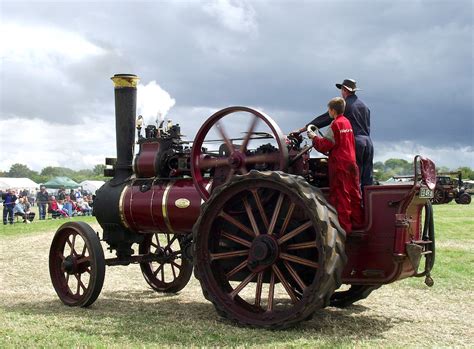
(359, 116)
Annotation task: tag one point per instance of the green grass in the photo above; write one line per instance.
(128, 314)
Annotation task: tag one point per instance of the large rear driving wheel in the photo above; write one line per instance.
(272, 265)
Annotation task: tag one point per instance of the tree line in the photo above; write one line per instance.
(382, 171)
(49, 172)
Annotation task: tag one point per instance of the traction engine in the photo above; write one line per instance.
(248, 213)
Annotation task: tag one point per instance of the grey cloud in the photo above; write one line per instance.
(413, 59)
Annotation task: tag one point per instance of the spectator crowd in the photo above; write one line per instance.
(62, 205)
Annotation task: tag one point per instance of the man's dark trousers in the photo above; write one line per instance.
(364, 158)
(7, 212)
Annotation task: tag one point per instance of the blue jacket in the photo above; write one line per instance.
(356, 112)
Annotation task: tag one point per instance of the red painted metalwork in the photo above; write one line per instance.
(167, 206)
(237, 160)
(145, 161)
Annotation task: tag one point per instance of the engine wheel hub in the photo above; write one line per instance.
(263, 252)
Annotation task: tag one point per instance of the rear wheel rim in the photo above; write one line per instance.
(295, 265)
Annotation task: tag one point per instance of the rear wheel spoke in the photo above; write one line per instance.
(236, 269)
(285, 284)
(299, 260)
(302, 245)
(241, 286)
(258, 290)
(235, 222)
(271, 291)
(260, 207)
(250, 216)
(236, 239)
(287, 219)
(276, 213)
(226, 255)
(295, 275)
(295, 232)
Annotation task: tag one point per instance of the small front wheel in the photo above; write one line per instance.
(171, 275)
(76, 264)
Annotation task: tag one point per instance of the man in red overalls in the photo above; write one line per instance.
(344, 190)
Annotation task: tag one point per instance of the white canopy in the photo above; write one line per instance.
(17, 183)
(91, 186)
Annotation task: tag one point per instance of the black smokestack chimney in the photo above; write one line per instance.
(125, 113)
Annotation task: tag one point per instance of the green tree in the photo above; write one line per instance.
(466, 172)
(20, 171)
(51, 172)
(99, 170)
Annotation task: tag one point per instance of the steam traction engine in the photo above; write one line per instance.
(253, 222)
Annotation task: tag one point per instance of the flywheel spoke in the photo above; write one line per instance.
(272, 158)
(243, 147)
(226, 139)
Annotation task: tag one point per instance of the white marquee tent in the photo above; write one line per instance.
(17, 183)
(91, 186)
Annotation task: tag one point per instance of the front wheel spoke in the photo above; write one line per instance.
(173, 271)
(235, 222)
(232, 254)
(170, 242)
(260, 207)
(251, 216)
(236, 239)
(285, 284)
(271, 292)
(258, 289)
(173, 263)
(302, 245)
(276, 213)
(295, 232)
(78, 277)
(155, 273)
(295, 276)
(241, 286)
(299, 260)
(84, 249)
(83, 260)
(236, 269)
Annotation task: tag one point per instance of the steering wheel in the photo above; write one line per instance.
(236, 158)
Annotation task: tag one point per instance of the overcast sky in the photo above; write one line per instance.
(413, 60)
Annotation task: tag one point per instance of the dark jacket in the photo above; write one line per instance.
(42, 197)
(9, 200)
(356, 112)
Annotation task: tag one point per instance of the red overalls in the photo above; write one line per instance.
(344, 190)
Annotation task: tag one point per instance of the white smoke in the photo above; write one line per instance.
(153, 102)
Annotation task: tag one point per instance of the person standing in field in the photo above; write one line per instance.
(42, 200)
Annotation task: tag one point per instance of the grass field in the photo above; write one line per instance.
(129, 314)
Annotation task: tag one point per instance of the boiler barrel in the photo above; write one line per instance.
(172, 206)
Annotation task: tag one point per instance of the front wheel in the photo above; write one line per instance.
(76, 264)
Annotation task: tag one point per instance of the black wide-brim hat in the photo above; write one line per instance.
(350, 84)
